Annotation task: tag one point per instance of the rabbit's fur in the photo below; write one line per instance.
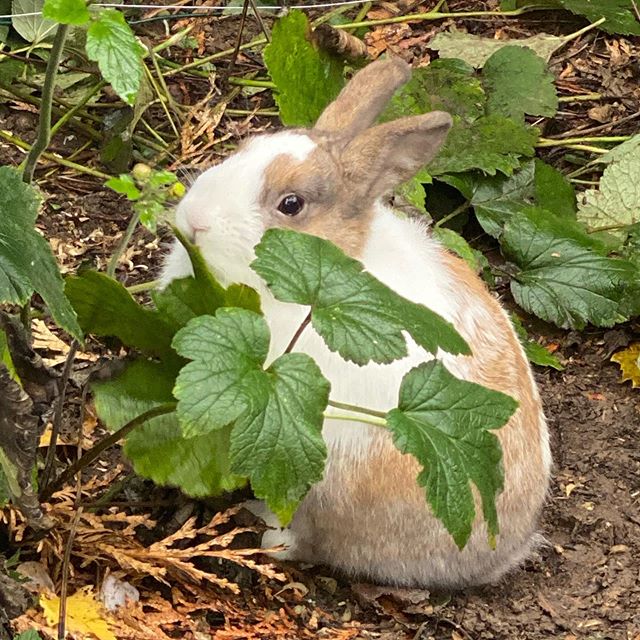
(368, 517)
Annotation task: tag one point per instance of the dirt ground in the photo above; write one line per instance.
(585, 583)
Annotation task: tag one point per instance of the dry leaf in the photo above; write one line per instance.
(629, 361)
(84, 614)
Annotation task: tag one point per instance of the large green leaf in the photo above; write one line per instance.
(491, 144)
(444, 423)
(620, 14)
(29, 22)
(518, 82)
(157, 449)
(476, 50)
(106, 308)
(276, 413)
(563, 278)
(495, 199)
(356, 315)
(307, 78)
(112, 44)
(66, 11)
(476, 141)
(26, 261)
(615, 206)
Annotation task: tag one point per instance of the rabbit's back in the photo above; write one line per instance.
(368, 516)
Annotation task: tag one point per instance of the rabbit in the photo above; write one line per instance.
(368, 517)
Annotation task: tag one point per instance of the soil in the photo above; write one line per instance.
(585, 581)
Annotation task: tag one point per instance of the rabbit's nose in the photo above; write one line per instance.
(198, 220)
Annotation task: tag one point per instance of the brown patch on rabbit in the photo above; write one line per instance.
(331, 210)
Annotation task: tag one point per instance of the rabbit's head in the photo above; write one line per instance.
(322, 181)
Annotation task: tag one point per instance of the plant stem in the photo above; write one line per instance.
(72, 112)
(104, 444)
(143, 286)
(5, 135)
(248, 82)
(437, 15)
(356, 409)
(611, 227)
(122, 245)
(44, 122)
(551, 142)
(298, 332)
(378, 422)
(456, 212)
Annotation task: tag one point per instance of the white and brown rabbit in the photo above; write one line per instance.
(368, 516)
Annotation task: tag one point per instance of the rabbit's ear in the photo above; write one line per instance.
(363, 99)
(383, 156)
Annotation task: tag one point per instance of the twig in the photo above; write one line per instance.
(72, 112)
(551, 142)
(298, 333)
(122, 245)
(263, 26)
(62, 610)
(143, 286)
(437, 15)
(597, 128)
(57, 416)
(236, 49)
(104, 444)
(580, 97)
(44, 122)
(5, 135)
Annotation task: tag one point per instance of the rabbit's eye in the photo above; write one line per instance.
(291, 205)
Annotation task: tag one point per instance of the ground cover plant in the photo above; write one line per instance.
(547, 213)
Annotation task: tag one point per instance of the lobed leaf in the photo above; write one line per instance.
(112, 44)
(355, 314)
(26, 261)
(307, 77)
(629, 361)
(277, 413)
(30, 23)
(444, 422)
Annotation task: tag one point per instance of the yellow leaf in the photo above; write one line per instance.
(84, 614)
(629, 361)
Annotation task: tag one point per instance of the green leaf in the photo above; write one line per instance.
(157, 449)
(106, 308)
(632, 145)
(518, 82)
(125, 185)
(458, 245)
(5, 494)
(112, 44)
(535, 352)
(496, 199)
(446, 85)
(66, 11)
(444, 422)
(30, 634)
(6, 359)
(491, 144)
(615, 206)
(553, 191)
(619, 14)
(26, 261)
(476, 141)
(276, 413)
(413, 191)
(32, 26)
(562, 278)
(476, 50)
(307, 77)
(355, 314)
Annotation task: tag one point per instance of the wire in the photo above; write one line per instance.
(120, 5)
